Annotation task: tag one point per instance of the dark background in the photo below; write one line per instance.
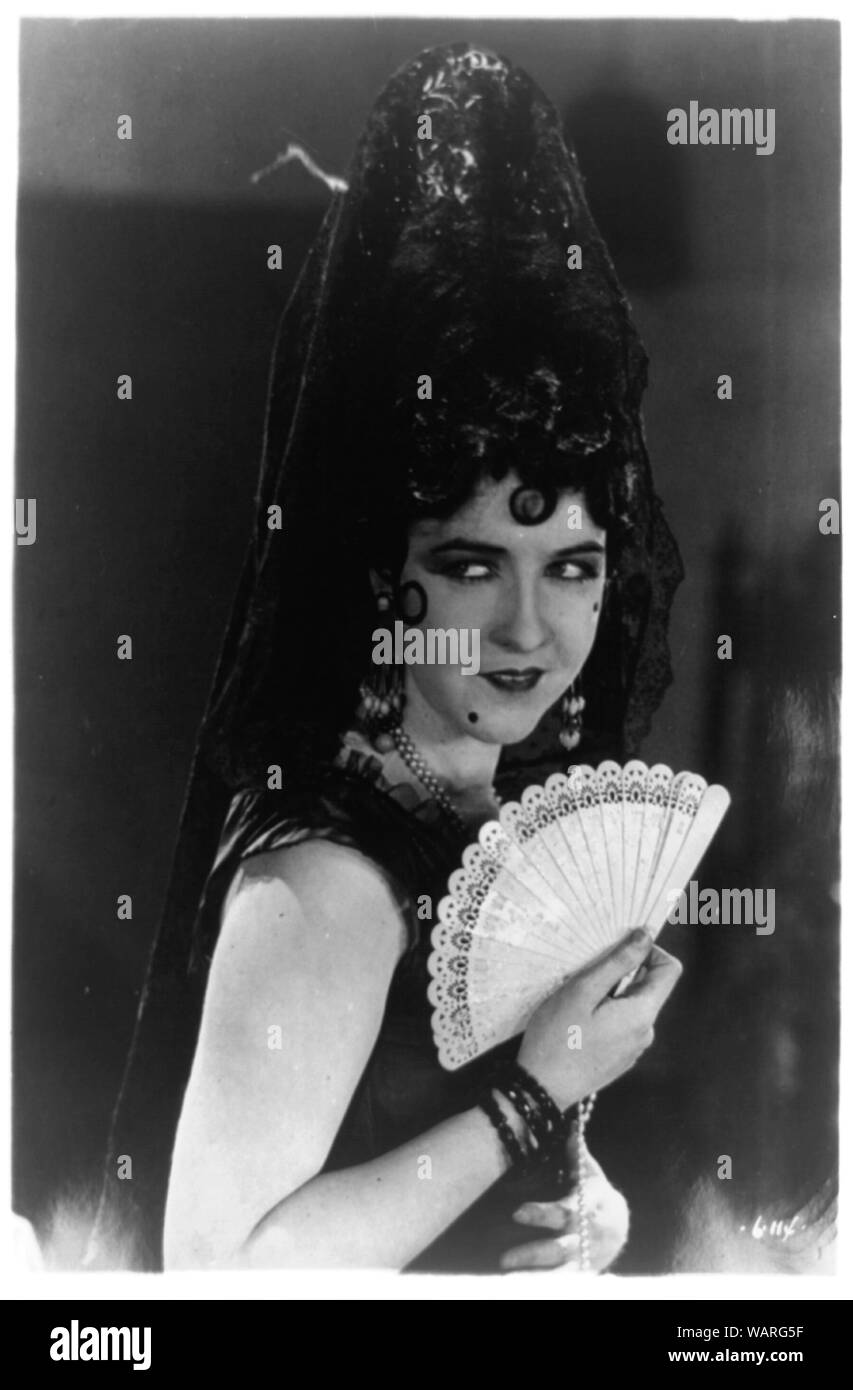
(149, 257)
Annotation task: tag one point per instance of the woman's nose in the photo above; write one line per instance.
(521, 626)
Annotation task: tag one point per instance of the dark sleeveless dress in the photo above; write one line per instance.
(403, 1091)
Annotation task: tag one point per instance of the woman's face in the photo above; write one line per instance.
(534, 594)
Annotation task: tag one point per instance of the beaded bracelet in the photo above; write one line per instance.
(544, 1120)
(539, 1139)
(511, 1143)
(544, 1100)
(527, 1110)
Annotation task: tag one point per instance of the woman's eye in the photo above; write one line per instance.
(576, 570)
(468, 571)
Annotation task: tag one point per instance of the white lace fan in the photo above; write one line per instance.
(553, 884)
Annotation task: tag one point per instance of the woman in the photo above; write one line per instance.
(453, 443)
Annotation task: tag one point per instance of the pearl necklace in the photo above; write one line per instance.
(415, 763)
(584, 1112)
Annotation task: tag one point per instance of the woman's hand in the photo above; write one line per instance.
(607, 1224)
(580, 1038)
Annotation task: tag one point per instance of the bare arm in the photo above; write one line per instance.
(310, 940)
(384, 1213)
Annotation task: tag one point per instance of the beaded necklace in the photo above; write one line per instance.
(415, 763)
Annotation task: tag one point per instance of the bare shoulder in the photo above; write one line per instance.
(318, 896)
(310, 939)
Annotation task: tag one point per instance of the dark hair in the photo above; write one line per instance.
(512, 388)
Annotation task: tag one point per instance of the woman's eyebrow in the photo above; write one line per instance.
(582, 548)
(480, 547)
(462, 543)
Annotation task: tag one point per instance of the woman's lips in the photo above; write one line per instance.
(514, 682)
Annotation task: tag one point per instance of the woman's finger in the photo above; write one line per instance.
(598, 979)
(662, 973)
(539, 1254)
(553, 1216)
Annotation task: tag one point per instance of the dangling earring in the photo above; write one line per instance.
(382, 695)
(571, 711)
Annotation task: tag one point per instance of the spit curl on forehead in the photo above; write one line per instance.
(531, 505)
